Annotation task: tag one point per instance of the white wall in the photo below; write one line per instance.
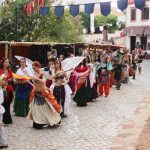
(94, 37)
(138, 21)
(138, 39)
(148, 39)
(127, 39)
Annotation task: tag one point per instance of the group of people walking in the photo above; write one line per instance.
(46, 100)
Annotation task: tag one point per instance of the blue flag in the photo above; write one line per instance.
(139, 4)
(122, 4)
(59, 11)
(89, 8)
(44, 11)
(105, 8)
(74, 10)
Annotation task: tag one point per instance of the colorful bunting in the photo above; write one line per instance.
(39, 4)
(105, 8)
(139, 4)
(59, 11)
(29, 8)
(122, 4)
(89, 8)
(74, 10)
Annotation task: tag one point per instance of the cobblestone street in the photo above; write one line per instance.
(89, 128)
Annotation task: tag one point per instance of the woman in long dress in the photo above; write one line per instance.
(23, 90)
(44, 109)
(83, 92)
(8, 90)
(94, 65)
(61, 90)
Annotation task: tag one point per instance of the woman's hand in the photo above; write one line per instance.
(3, 83)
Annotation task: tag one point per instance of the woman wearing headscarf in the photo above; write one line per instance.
(104, 69)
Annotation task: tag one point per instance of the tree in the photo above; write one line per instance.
(85, 20)
(121, 25)
(110, 21)
(37, 27)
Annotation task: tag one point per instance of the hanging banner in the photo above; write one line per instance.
(59, 11)
(28, 8)
(105, 8)
(44, 11)
(89, 8)
(139, 4)
(74, 10)
(122, 4)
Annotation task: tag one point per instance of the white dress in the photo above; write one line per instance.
(3, 141)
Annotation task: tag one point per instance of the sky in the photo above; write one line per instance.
(113, 2)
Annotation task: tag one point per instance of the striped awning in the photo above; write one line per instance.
(134, 30)
(147, 31)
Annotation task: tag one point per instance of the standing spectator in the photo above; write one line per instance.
(135, 61)
(3, 141)
(61, 58)
(8, 90)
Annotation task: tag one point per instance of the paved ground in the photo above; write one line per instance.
(90, 128)
(144, 139)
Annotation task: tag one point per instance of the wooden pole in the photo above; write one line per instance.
(74, 50)
(6, 50)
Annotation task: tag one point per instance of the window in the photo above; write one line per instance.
(145, 13)
(148, 45)
(133, 14)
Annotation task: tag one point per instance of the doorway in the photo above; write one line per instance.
(144, 42)
(133, 42)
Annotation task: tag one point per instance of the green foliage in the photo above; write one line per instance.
(100, 20)
(121, 25)
(110, 21)
(85, 19)
(37, 27)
